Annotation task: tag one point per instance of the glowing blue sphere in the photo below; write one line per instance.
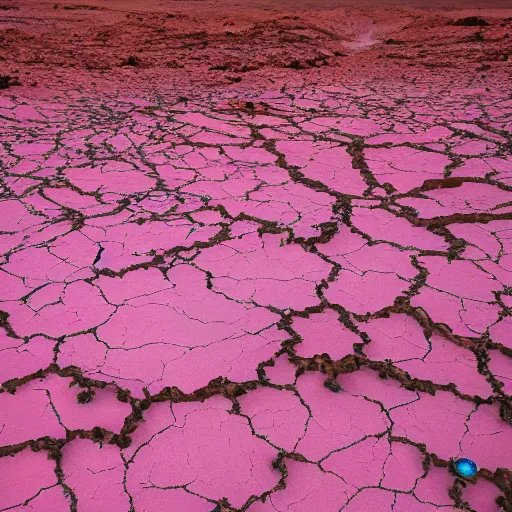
(465, 467)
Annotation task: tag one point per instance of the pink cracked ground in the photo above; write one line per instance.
(283, 296)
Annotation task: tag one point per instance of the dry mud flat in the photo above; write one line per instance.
(254, 281)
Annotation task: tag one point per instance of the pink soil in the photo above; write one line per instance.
(255, 257)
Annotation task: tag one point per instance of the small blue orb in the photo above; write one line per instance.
(466, 468)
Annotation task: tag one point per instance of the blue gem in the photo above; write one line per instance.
(465, 467)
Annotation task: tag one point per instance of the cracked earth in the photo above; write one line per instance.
(230, 284)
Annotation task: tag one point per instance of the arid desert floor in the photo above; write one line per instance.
(255, 256)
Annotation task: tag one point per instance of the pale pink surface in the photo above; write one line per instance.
(499, 167)
(370, 498)
(360, 465)
(170, 324)
(50, 499)
(24, 476)
(481, 496)
(399, 338)
(95, 475)
(283, 372)
(216, 445)
(403, 467)
(388, 392)
(17, 356)
(43, 420)
(502, 332)
(487, 439)
(121, 180)
(353, 291)
(104, 410)
(266, 193)
(459, 294)
(77, 306)
(405, 168)
(197, 256)
(468, 198)
(445, 364)
(434, 488)
(338, 420)
(383, 225)
(326, 163)
(128, 245)
(152, 498)
(500, 367)
(363, 268)
(306, 485)
(466, 317)
(408, 503)
(265, 271)
(277, 415)
(324, 333)
(419, 422)
(55, 408)
(484, 238)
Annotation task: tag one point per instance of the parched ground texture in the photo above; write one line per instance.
(255, 259)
